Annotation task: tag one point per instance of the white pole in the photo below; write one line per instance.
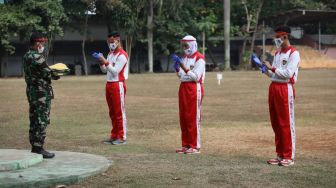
(219, 78)
(227, 34)
(150, 35)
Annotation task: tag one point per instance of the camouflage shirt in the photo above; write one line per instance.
(37, 72)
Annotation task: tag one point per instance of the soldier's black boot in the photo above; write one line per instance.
(44, 153)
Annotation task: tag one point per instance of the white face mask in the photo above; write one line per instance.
(113, 46)
(40, 49)
(188, 51)
(278, 42)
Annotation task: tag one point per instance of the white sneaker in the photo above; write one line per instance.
(182, 150)
(108, 141)
(118, 142)
(275, 161)
(192, 151)
(286, 162)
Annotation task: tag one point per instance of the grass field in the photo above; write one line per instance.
(236, 134)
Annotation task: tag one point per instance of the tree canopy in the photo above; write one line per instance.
(19, 18)
(172, 19)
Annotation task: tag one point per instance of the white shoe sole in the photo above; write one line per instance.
(196, 152)
(107, 142)
(122, 143)
(286, 165)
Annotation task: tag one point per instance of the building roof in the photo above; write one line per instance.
(302, 16)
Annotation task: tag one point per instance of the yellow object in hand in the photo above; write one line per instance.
(60, 68)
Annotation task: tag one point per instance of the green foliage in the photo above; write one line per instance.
(330, 4)
(167, 34)
(179, 18)
(276, 7)
(239, 17)
(75, 12)
(125, 16)
(20, 18)
(170, 27)
(246, 57)
(208, 23)
(172, 18)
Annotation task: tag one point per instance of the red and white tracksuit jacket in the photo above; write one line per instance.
(190, 99)
(281, 100)
(117, 73)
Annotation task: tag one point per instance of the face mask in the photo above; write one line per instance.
(113, 46)
(40, 49)
(188, 51)
(278, 42)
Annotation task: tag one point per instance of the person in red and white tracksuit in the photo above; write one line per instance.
(191, 71)
(116, 69)
(283, 73)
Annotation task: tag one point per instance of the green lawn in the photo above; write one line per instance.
(236, 134)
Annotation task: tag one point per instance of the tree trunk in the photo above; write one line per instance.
(226, 5)
(212, 58)
(242, 63)
(160, 7)
(150, 35)
(256, 27)
(50, 41)
(168, 63)
(203, 46)
(83, 44)
(3, 65)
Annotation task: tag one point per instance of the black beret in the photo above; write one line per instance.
(113, 34)
(37, 37)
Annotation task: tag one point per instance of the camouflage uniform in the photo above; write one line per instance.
(39, 92)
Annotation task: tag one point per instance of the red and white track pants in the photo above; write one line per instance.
(190, 100)
(281, 107)
(115, 97)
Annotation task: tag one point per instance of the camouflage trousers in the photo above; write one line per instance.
(39, 112)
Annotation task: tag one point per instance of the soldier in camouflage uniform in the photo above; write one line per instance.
(38, 77)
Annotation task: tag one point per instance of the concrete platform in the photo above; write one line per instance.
(65, 169)
(13, 159)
